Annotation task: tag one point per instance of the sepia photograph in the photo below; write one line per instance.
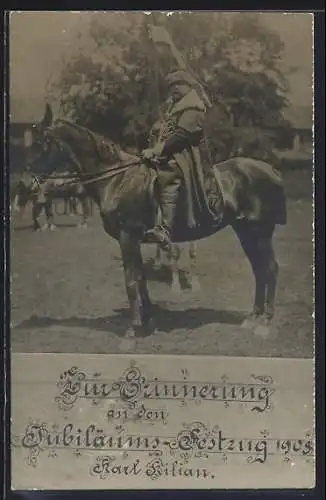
(161, 206)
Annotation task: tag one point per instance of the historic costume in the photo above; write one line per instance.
(179, 156)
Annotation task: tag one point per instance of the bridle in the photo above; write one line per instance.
(80, 176)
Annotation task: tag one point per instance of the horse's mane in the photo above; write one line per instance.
(105, 148)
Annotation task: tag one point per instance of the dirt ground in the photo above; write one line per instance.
(68, 294)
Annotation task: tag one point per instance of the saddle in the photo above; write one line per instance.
(241, 189)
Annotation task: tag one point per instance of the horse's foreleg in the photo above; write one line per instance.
(256, 240)
(248, 236)
(147, 319)
(271, 271)
(130, 258)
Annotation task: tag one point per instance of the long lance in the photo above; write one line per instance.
(162, 35)
(156, 71)
(182, 65)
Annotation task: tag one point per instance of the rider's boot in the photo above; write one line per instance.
(161, 233)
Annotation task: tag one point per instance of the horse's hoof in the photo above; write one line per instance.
(176, 288)
(45, 227)
(53, 227)
(82, 226)
(249, 323)
(262, 330)
(149, 326)
(195, 285)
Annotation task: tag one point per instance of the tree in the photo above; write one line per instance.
(113, 85)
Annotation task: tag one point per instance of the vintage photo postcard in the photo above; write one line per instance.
(161, 180)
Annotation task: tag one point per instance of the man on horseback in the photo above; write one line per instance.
(177, 151)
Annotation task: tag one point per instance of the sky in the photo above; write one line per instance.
(39, 41)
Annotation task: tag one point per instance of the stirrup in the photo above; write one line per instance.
(160, 236)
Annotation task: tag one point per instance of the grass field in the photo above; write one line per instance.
(68, 292)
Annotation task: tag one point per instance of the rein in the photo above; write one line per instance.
(84, 178)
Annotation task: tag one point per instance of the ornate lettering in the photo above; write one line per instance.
(70, 385)
(195, 440)
(133, 387)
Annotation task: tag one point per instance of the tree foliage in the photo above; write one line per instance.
(114, 84)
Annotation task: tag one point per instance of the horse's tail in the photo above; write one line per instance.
(274, 193)
(265, 184)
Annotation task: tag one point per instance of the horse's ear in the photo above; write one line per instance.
(48, 116)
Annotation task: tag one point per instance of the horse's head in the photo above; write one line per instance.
(47, 154)
(63, 144)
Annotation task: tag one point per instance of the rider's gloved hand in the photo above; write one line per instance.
(148, 154)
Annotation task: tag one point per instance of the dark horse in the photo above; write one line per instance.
(124, 188)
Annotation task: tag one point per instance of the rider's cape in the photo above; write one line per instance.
(188, 114)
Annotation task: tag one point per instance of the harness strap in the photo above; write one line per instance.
(85, 178)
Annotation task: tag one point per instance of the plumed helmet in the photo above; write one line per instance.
(179, 76)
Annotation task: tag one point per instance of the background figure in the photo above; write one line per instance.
(43, 195)
(42, 201)
(182, 264)
(29, 189)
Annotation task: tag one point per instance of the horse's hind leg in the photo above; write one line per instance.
(256, 240)
(195, 285)
(272, 269)
(147, 308)
(173, 255)
(72, 206)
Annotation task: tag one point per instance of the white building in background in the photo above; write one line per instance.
(301, 119)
